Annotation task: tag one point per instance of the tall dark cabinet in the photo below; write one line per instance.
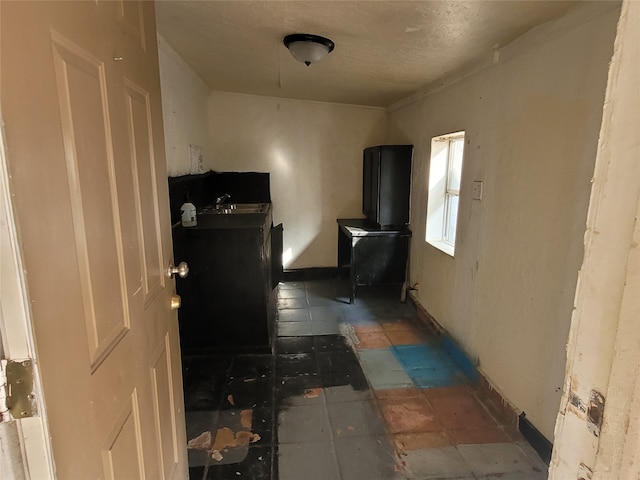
(374, 251)
(386, 184)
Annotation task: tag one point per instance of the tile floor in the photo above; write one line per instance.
(353, 392)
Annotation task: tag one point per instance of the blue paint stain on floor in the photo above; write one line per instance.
(429, 366)
(413, 357)
(436, 377)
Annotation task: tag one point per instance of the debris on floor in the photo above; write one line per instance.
(352, 392)
(201, 442)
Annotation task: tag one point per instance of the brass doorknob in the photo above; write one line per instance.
(176, 301)
(182, 270)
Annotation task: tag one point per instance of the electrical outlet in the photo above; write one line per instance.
(476, 191)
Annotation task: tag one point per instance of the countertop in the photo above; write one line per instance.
(361, 227)
(207, 221)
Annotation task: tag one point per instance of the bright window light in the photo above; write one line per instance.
(445, 176)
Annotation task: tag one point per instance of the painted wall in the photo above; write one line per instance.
(184, 110)
(531, 122)
(313, 152)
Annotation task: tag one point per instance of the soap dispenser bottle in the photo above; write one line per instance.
(188, 210)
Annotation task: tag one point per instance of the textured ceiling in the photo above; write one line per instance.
(385, 50)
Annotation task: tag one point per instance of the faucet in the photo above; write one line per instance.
(221, 199)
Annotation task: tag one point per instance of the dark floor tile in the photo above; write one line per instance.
(299, 391)
(357, 380)
(200, 422)
(359, 315)
(392, 311)
(294, 329)
(197, 473)
(256, 465)
(379, 294)
(338, 362)
(205, 394)
(322, 300)
(327, 287)
(292, 303)
(197, 458)
(204, 378)
(302, 344)
(323, 314)
(290, 286)
(296, 364)
(294, 315)
(331, 343)
(207, 364)
(242, 394)
(291, 293)
(252, 366)
(263, 423)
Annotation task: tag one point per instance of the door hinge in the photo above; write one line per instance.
(17, 397)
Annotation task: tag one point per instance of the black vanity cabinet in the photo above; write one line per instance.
(386, 184)
(227, 298)
(370, 255)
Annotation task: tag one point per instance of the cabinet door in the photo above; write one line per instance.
(394, 185)
(370, 182)
(380, 260)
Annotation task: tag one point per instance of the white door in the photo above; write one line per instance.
(80, 95)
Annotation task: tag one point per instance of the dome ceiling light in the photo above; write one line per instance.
(307, 48)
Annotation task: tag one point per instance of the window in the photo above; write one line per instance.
(445, 174)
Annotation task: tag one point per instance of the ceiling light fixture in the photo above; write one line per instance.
(307, 48)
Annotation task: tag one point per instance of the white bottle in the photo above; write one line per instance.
(188, 215)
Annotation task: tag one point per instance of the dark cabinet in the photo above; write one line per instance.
(386, 184)
(371, 255)
(227, 298)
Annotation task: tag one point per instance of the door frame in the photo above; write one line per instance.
(599, 438)
(16, 335)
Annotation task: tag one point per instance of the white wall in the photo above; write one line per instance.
(184, 110)
(531, 122)
(313, 152)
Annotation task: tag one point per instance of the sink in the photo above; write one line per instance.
(237, 208)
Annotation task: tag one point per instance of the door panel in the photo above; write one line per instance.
(122, 453)
(81, 86)
(132, 20)
(145, 186)
(80, 100)
(167, 431)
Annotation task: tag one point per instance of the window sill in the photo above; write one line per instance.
(442, 246)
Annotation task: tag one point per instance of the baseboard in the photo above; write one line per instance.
(536, 439)
(425, 317)
(500, 406)
(315, 273)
